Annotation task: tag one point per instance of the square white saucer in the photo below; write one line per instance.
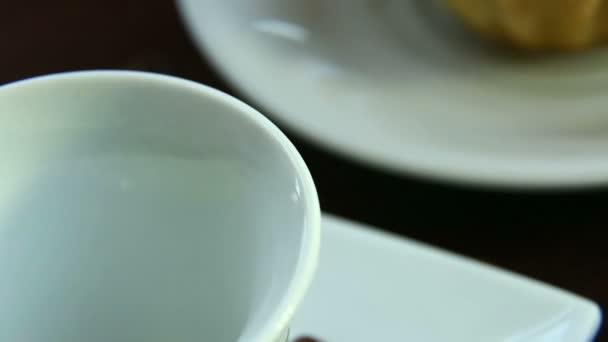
(372, 286)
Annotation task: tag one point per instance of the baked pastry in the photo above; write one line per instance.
(559, 25)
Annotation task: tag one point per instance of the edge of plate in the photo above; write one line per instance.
(586, 313)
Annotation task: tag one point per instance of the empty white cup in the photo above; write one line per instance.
(137, 207)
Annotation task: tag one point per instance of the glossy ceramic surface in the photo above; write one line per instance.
(136, 206)
(401, 85)
(371, 286)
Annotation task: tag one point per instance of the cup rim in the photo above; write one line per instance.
(310, 246)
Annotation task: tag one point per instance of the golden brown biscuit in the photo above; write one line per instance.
(538, 24)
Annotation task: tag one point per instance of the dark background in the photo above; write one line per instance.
(557, 237)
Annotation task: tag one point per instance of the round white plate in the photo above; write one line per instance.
(401, 85)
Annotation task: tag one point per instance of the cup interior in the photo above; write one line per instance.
(137, 207)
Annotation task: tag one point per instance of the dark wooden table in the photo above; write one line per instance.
(557, 237)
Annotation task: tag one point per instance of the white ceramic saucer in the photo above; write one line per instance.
(376, 287)
(400, 84)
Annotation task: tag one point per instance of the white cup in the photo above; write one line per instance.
(137, 207)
